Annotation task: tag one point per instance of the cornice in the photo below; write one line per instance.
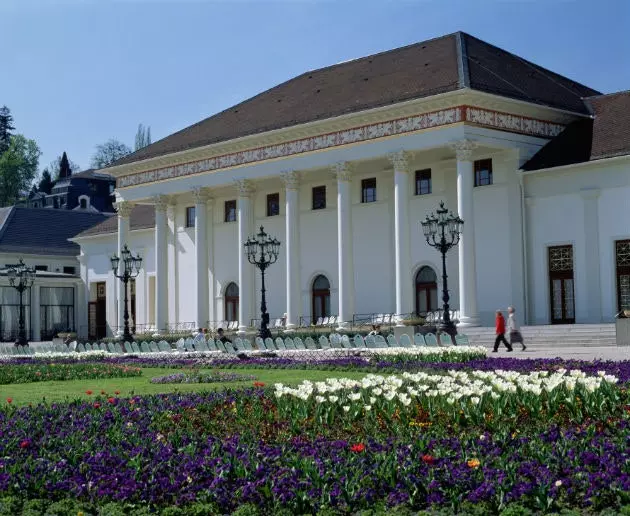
(301, 144)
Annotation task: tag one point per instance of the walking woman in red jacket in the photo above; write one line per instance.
(499, 324)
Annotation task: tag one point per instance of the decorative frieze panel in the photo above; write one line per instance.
(440, 118)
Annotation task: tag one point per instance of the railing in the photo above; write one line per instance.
(225, 325)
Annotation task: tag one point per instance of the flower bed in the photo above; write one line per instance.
(543, 440)
(198, 377)
(38, 372)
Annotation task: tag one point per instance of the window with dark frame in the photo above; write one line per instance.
(42, 268)
(230, 211)
(190, 217)
(368, 190)
(483, 172)
(69, 270)
(319, 197)
(423, 182)
(273, 204)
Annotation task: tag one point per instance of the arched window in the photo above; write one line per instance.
(83, 203)
(231, 302)
(321, 298)
(426, 291)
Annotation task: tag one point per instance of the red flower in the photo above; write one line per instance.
(116, 393)
(97, 404)
(259, 384)
(9, 400)
(25, 443)
(88, 392)
(111, 400)
(428, 459)
(357, 448)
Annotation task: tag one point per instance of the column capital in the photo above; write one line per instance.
(291, 179)
(463, 149)
(161, 203)
(123, 208)
(200, 195)
(244, 187)
(400, 160)
(590, 193)
(342, 171)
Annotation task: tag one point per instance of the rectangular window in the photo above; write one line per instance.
(10, 313)
(483, 172)
(319, 197)
(56, 310)
(368, 190)
(42, 268)
(190, 217)
(69, 270)
(273, 205)
(423, 181)
(562, 299)
(230, 211)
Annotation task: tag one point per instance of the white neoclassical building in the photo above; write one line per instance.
(341, 164)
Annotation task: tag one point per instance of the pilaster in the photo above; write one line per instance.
(343, 174)
(590, 198)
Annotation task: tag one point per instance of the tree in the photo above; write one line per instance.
(18, 166)
(109, 152)
(56, 166)
(45, 183)
(6, 121)
(143, 137)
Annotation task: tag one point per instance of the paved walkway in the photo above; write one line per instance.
(577, 352)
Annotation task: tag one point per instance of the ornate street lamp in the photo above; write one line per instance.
(130, 269)
(442, 232)
(21, 277)
(262, 251)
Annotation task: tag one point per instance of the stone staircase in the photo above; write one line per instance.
(551, 335)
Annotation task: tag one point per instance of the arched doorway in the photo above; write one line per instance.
(426, 290)
(320, 298)
(231, 302)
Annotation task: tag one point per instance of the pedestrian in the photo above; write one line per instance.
(499, 326)
(514, 329)
(222, 337)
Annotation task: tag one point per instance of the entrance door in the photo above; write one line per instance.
(97, 321)
(426, 291)
(561, 291)
(622, 255)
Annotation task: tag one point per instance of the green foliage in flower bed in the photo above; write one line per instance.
(203, 377)
(38, 372)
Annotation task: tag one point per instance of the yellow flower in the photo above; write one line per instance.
(473, 463)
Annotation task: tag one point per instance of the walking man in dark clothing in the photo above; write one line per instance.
(499, 324)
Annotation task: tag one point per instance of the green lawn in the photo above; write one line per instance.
(25, 393)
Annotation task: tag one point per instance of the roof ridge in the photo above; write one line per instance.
(542, 69)
(613, 94)
(462, 61)
(7, 219)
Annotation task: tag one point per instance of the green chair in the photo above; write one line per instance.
(418, 340)
(462, 340)
(431, 339)
(445, 339)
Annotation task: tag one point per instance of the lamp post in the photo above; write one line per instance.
(21, 277)
(262, 251)
(442, 232)
(130, 269)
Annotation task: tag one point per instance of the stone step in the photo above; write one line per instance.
(586, 335)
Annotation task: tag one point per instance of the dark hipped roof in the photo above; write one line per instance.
(415, 71)
(37, 231)
(142, 217)
(605, 135)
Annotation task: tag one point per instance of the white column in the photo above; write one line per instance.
(124, 213)
(344, 244)
(401, 232)
(292, 245)
(467, 268)
(211, 314)
(245, 269)
(161, 264)
(591, 240)
(201, 254)
(172, 310)
(84, 298)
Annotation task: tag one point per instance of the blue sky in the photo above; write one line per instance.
(75, 73)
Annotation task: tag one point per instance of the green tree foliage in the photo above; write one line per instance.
(45, 183)
(62, 167)
(18, 167)
(143, 137)
(6, 126)
(109, 152)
